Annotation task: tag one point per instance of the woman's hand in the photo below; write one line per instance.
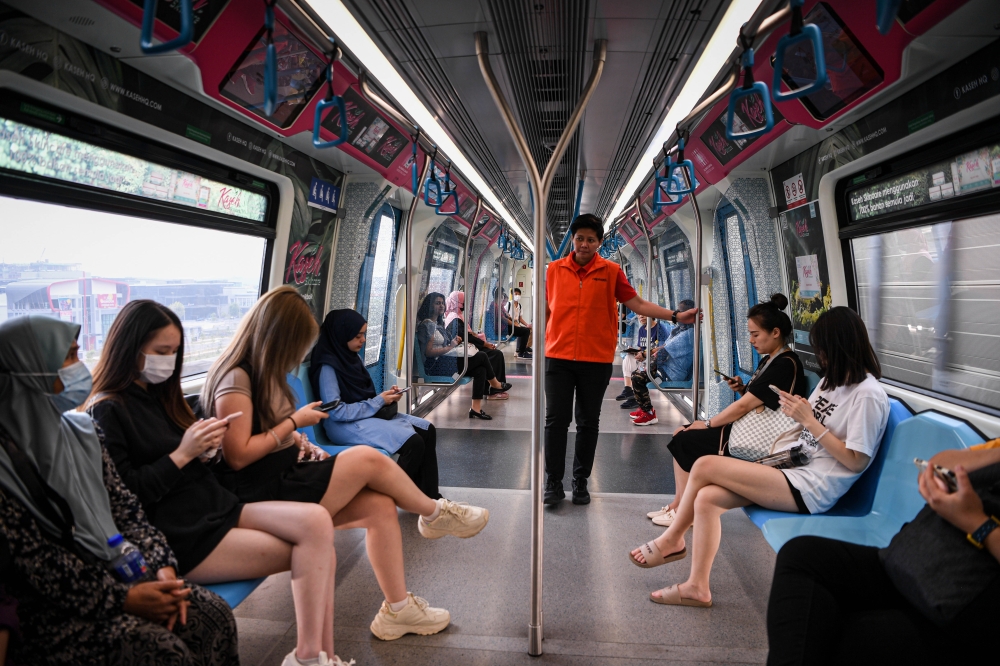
(391, 396)
(962, 508)
(308, 451)
(797, 407)
(309, 415)
(736, 384)
(456, 342)
(697, 425)
(204, 435)
(157, 601)
(168, 573)
(640, 356)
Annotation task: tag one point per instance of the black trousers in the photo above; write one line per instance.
(588, 381)
(522, 334)
(418, 458)
(481, 371)
(498, 363)
(832, 603)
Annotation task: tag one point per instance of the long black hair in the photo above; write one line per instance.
(769, 315)
(426, 310)
(118, 368)
(842, 348)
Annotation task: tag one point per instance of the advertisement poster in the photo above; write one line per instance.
(44, 54)
(749, 115)
(808, 275)
(367, 130)
(203, 13)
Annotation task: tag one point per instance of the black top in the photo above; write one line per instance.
(188, 505)
(780, 372)
(457, 329)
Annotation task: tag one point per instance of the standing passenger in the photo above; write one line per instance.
(581, 335)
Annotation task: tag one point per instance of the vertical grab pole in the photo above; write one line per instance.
(465, 283)
(541, 184)
(649, 278)
(410, 333)
(696, 362)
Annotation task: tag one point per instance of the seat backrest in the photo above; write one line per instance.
(857, 501)
(812, 381)
(418, 359)
(922, 436)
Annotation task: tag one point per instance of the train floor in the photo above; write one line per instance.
(596, 605)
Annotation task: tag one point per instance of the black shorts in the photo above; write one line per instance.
(689, 445)
(797, 496)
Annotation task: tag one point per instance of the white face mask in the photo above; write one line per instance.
(158, 368)
(517, 297)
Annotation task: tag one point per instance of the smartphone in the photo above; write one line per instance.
(942, 473)
(722, 374)
(400, 391)
(232, 417)
(774, 388)
(328, 406)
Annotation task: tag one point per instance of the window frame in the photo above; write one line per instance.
(363, 297)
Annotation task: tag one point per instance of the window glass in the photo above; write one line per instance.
(379, 288)
(741, 301)
(86, 265)
(931, 296)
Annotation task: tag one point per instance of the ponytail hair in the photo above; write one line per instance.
(770, 315)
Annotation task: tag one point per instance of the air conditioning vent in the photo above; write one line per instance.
(83, 21)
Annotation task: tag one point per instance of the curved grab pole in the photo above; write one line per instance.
(541, 183)
(410, 326)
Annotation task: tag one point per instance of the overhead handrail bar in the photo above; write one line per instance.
(184, 35)
(748, 90)
(799, 32)
(885, 14)
(328, 101)
(542, 183)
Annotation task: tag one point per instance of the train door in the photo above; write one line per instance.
(523, 276)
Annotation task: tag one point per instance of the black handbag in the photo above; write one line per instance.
(934, 566)
(388, 411)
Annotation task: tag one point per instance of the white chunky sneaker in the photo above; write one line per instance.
(417, 617)
(665, 519)
(456, 518)
(324, 660)
(658, 512)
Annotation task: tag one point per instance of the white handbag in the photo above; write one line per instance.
(458, 351)
(754, 435)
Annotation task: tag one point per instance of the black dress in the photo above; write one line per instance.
(689, 445)
(188, 504)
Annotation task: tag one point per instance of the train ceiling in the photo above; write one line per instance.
(542, 54)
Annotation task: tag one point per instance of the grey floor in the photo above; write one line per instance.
(596, 607)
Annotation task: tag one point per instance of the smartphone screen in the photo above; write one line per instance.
(328, 406)
(404, 390)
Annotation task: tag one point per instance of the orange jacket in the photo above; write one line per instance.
(583, 314)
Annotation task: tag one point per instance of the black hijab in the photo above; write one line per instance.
(339, 328)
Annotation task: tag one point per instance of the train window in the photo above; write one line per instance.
(88, 264)
(851, 71)
(373, 288)
(930, 295)
(441, 267)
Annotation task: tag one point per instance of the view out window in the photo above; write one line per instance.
(931, 298)
(88, 264)
(379, 293)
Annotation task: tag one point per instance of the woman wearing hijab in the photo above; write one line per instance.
(454, 323)
(442, 354)
(337, 372)
(63, 514)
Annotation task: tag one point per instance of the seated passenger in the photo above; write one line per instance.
(635, 364)
(454, 324)
(675, 361)
(929, 598)
(444, 355)
(265, 458)
(337, 372)
(514, 318)
(770, 330)
(163, 455)
(842, 426)
(63, 505)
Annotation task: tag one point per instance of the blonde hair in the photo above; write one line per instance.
(272, 339)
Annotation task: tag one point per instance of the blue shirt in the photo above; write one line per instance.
(676, 360)
(355, 423)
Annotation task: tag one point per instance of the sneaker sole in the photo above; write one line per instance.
(554, 500)
(645, 423)
(465, 535)
(581, 500)
(422, 631)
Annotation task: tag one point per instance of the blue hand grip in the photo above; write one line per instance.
(662, 190)
(271, 80)
(676, 183)
(428, 184)
(442, 198)
(413, 169)
(322, 106)
(810, 33)
(885, 14)
(149, 19)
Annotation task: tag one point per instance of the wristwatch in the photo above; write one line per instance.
(673, 317)
(708, 422)
(978, 537)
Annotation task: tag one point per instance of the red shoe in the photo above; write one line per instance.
(646, 418)
(636, 414)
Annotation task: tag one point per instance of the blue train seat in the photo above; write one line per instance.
(235, 592)
(812, 381)
(896, 499)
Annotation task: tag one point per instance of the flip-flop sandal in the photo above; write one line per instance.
(671, 596)
(653, 557)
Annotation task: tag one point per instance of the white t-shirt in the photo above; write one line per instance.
(856, 415)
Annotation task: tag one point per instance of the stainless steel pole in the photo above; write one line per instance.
(410, 323)
(541, 184)
(696, 369)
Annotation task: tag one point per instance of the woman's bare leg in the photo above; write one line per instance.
(362, 466)
(277, 536)
(680, 481)
(376, 513)
(758, 484)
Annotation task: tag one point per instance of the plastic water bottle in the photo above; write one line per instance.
(130, 565)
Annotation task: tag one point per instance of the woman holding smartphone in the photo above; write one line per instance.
(337, 373)
(769, 328)
(842, 426)
(163, 455)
